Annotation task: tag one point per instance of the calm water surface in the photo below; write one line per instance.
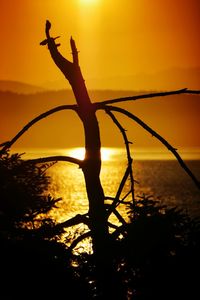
(156, 175)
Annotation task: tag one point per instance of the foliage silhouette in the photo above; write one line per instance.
(23, 192)
(155, 254)
(33, 261)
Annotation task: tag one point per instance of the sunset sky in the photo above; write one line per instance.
(123, 44)
(115, 38)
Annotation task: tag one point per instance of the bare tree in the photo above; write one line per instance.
(98, 214)
(91, 165)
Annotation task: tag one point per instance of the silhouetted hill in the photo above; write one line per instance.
(173, 78)
(19, 87)
(166, 79)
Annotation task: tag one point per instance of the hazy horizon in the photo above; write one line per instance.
(166, 79)
(111, 153)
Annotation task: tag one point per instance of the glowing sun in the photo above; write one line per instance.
(79, 153)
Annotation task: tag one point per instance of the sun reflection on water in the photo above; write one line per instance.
(160, 177)
(67, 181)
(79, 152)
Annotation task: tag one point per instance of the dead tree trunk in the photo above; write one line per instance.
(92, 162)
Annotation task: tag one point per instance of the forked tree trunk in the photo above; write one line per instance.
(92, 160)
(107, 279)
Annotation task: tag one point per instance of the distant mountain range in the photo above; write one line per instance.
(174, 78)
(167, 79)
(19, 87)
(164, 80)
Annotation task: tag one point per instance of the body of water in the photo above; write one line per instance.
(156, 173)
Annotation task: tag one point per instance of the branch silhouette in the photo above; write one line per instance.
(50, 231)
(129, 158)
(116, 199)
(56, 159)
(35, 120)
(79, 239)
(159, 137)
(145, 96)
(61, 62)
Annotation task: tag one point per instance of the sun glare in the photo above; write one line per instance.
(88, 1)
(79, 153)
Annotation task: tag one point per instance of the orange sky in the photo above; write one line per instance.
(115, 37)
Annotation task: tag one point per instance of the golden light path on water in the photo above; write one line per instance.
(67, 181)
(156, 171)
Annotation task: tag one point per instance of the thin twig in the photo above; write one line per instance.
(144, 96)
(55, 159)
(116, 213)
(160, 138)
(112, 225)
(122, 201)
(120, 230)
(109, 198)
(53, 230)
(122, 183)
(74, 221)
(129, 158)
(35, 120)
(116, 200)
(120, 218)
(79, 239)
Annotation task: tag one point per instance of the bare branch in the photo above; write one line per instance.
(121, 186)
(160, 138)
(115, 212)
(61, 62)
(73, 221)
(35, 120)
(74, 51)
(109, 198)
(120, 230)
(120, 218)
(112, 225)
(129, 158)
(53, 230)
(56, 159)
(116, 200)
(128, 193)
(144, 96)
(4, 144)
(79, 239)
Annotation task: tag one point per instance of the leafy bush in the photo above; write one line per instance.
(34, 263)
(159, 254)
(24, 201)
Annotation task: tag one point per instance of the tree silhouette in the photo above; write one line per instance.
(91, 165)
(99, 212)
